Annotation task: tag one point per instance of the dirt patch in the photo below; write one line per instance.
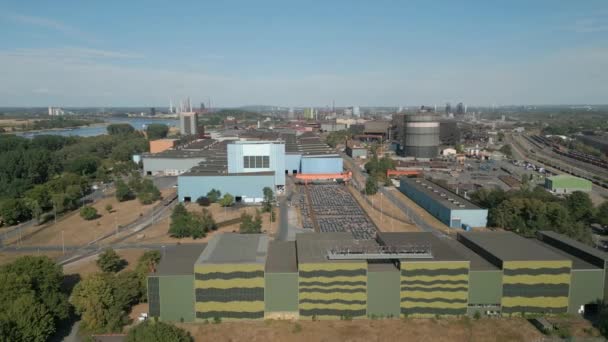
(574, 326)
(8, 257)
(88, 265)
(436, 330)
(428, 218)
(385, 215)
(159, 232)
(77, 231)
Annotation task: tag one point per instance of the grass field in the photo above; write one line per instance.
(159, 232)
(420, 330)
(78, 231)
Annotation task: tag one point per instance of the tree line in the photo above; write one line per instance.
(51, 172)
(529, 210)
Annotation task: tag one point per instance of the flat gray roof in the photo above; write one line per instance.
(440, 250)
(281, 257)
(478, 263)
(439, 194)
(234, 248)
(576, 244)
(577, 263)
(178, 259)
(508, 246)
(313, 247)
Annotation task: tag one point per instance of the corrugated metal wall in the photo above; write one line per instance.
(229, 291)
(383, 294)
(333, 290)
(322, 165)
(250, 186)
(434, 288)
(169, 165)
(536, 286)
(177, 298)
(281, 292)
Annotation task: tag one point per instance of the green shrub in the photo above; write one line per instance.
(88, 213)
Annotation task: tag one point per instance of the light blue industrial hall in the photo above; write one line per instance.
(448, 207)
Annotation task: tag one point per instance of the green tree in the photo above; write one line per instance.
(207, 222)
(580, 206)
(601, 215)
(13, 211)
(249, 224)
(268, 199)
(183, 223)
(150, 331)
(157, 131)
(227, 200)
(88, 213)
(371, 186)
(507, 150)
(110, 261)
(121, 128)
(31, 299)
(123, 192)
(101, 303)
(214, 195)
(146, 264)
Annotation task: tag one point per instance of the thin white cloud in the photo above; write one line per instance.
(48, 23)
(71, 53)
(575, 75)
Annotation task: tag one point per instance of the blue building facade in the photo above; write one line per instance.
(258, 156)
(247, 188)
(449, 208)
(322, 164)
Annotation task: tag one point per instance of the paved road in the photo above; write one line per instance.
(283, 230)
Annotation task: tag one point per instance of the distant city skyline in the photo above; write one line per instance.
(380, 53)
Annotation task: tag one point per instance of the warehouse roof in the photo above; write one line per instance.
(440, 250)
(178, 259)
(576, 244)
(281, 257)
(577, 263)
(574, 248)
(508, 246)
(175, 154)
(233, 248)
(313, 247)
(439, 194)
(478, 263)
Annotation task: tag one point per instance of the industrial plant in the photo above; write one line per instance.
(334, 275)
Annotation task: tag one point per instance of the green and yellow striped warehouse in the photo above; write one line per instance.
(334, 276)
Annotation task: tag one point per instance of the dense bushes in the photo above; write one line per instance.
(104, 299)
(31, 298)
(528, 211)
(187, 224)
(88, 213)
(49, 172)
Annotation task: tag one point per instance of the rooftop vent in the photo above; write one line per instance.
(462, 205)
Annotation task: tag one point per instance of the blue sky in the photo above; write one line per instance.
(141, 53)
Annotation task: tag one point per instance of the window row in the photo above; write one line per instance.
(256, 162)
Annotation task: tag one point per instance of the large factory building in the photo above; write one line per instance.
(244, 168)
(451, 209)
(334, 276)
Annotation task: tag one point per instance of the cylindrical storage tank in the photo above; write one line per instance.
(421, 135)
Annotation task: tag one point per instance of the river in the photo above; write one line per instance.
(99, 129)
